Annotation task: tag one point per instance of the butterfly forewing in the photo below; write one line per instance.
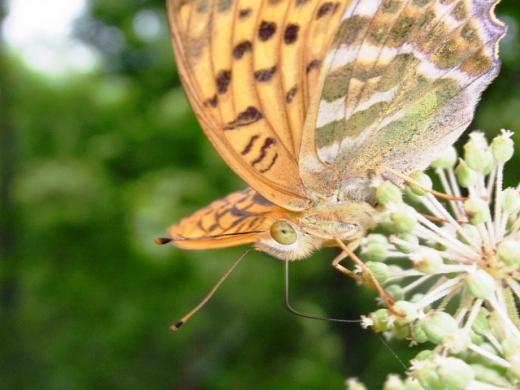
(402, 80)
(249, 68)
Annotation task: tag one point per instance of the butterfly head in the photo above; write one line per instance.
(298, 236)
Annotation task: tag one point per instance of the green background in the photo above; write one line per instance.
(92, 168)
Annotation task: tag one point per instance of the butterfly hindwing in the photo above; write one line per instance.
(401, 83)
(239, 218)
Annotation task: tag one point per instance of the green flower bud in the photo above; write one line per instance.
(477, 210)
(423, 180)
(514, 369)
(475, 338)
(411, 242)
(511, 346)
(395, 291)
(426, 374)
(427, 260)
(509, 252)
(404, 219)
(477, 154)
(466, 176)
(388, 193)
(380, 270)
(438, 325)
(380, 320)
(393, 382)
(376, 248)
(481, 324)
(502, 148)
(455, 374)
(446, 160)
(481, 284)
(510, 200)
(418, 333)
(401, 332)
(425, 355)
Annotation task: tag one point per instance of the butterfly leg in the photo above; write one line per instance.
(348, 252)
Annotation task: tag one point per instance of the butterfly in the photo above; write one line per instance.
(313, 102)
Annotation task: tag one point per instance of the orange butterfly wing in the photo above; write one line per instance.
(237, 219)
(248, 68)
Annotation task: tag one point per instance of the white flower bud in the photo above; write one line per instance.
(412, 384)
(511, 346)
(509, 252)
(510, 200)
(354, 384)
(427, 260)
(393, 382)
(502, 148)
(446, 160)
(477, 210)
(454, 374)
(409, 311)
(458, 341)
(388, 193)
(481, 284)
(423, 180)
(514, 369)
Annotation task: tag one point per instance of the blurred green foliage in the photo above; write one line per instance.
(95, 166)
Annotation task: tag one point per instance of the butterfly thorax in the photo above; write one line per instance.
(346, 220)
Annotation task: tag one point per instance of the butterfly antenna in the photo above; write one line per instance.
(292, 310)
(175, 327)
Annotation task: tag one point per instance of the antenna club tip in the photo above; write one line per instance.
(163, 240)
(175, 327)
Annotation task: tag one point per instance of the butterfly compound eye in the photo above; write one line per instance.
(283, 233)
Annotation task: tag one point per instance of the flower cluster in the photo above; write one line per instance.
(451, 261)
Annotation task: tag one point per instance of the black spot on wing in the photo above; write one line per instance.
(273, 161)
(250, 144)
(212, 101)
(266, 30)
(263, 75)
(244, 13)
(241, 49)
(291, 94)
(248, 116)
(314, 64)
(223, 80)
(269, 141)
(291, 33)
(324, 9)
